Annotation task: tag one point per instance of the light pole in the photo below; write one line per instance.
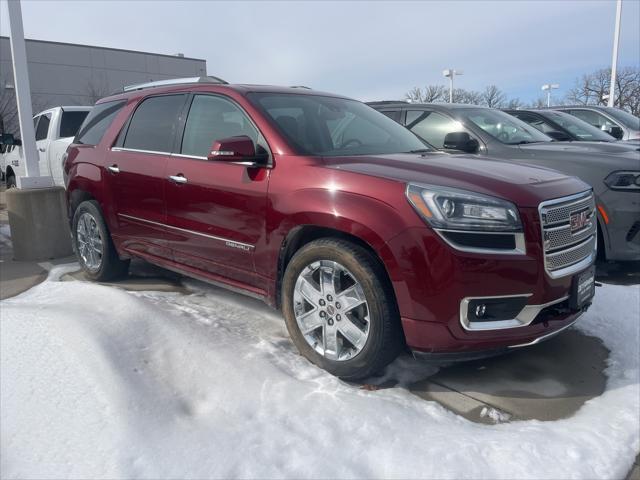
(614, 60)
(548, 87)
(450, 73)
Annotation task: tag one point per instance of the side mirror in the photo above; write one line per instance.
(616, 132)
(559, 136)
(239, 150)
(461, 141)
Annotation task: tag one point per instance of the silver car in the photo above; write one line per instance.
(617, 123)
(612, 169)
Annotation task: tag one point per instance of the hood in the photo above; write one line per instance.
(595, 148)
(525, 186)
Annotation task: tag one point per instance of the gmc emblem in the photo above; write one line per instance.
(579, 220)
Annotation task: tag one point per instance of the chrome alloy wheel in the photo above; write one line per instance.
(90, 242)
(331, 310)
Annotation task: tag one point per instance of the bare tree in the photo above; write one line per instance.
(593, 89)
(493, 97)
(460, 95)
(95, 89)
(428, 94)
(515, 103)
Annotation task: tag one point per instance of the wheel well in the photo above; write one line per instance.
(75, 199)
(300, 236)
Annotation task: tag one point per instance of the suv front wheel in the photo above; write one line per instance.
(94, 249)
(340, 310)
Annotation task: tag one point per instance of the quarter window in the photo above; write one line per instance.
(43, 127)
(153, 124)
(96, 123)
(213, 118)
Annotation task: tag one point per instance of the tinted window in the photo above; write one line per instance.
(70, 123)
(432, 127)
(330, 126)
(213, 118)
(97, 121)
(580, 129)
(153, 124)
(43, 127)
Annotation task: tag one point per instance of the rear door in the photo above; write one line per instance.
(136, 174)
(216, 210)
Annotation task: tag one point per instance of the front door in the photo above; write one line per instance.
(216, 210)
(135, 170)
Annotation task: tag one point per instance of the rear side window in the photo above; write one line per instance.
(97, 122)
(70, 123)
(153, 124)
(43, 127)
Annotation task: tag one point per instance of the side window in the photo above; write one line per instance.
(392, 114)
(153, 124)
(594, 118)
(432, 127)
(213, 118)
(43, 127)
(70, 123)
(535, 121)
(97, 122)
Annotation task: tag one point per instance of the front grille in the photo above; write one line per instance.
(565, 251)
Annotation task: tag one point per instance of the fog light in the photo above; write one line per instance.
(481, 309)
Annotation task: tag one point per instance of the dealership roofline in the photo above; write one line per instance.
(108, 48)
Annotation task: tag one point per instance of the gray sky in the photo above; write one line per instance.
(366, 50)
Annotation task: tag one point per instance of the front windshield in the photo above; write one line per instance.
(335, 127)
(579, 128)
(628, 120)
(503, 127)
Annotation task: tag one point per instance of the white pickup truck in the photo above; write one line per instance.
(55, 129)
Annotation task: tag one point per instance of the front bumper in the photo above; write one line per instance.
(432, 281)
(622, 232)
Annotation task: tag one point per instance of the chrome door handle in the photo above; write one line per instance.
(178, 178)
(113, 169)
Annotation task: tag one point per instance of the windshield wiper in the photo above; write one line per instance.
(420, 150)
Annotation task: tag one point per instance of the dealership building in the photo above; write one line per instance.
(72, 74)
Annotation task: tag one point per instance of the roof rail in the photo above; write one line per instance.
(174, 81)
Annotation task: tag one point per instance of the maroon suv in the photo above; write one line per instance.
(365, 238)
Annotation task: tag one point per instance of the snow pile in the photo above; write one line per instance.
(99, 382)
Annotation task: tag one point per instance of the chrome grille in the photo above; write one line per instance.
(566, 252)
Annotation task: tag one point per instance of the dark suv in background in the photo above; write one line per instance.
(365, 238)
(612, 169)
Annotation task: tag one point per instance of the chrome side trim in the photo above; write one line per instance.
(544, 337)
(523, 319)
(135, 150)
(228, 242)
(520, 249)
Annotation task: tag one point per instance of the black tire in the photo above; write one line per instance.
(111, 266)
(11, 181)
(385, 338)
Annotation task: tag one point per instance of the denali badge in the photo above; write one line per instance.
(241, 246)
(579, 220)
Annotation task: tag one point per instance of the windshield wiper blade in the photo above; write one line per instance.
(420, 150)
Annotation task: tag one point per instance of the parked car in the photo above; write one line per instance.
(55, 129)
(619, 124)
(365, 237)
(562, 126)
(612, 169)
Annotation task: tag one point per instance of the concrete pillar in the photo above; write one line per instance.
(39, 224)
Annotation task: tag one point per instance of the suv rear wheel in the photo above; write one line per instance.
(340, 310)
(94, 249)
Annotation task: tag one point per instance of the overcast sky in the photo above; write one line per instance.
(366, 50)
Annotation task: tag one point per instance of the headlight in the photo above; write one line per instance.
(623, 181)
(454, 209)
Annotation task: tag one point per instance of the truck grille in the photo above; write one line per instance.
(569, 233)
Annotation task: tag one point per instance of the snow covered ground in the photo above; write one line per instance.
(100, 382)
